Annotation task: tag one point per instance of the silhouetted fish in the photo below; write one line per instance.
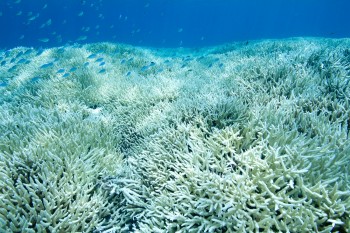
(60, 71)
(60, 50)
(19, 54)
(29, 51)
(35, 79)
(92, 56)
(44, 40)
(47, 65)
(13, 68)
(144, 68)
(40, 51)
(23, 61)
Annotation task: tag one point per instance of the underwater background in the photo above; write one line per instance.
(167, 23)
(174, 116)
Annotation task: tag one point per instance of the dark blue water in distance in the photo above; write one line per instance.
(167, 23)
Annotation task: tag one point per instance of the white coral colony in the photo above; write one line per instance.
(236, 138)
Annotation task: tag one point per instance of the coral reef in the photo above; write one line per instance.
(235, 138)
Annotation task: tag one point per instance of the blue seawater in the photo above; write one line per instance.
(167, 23)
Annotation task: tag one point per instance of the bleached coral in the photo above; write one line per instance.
(238, 138)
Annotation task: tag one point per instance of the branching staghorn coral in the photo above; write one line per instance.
(51, 164)
(237, 138)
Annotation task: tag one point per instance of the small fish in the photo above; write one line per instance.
(82, 38)
(122, 61)
(22, 61)
(152, 63)
(86, 64)
(19, 54)
(44, 40)
(13, 68)
(48, 22)
(60, 71)
(21, 37)
(47, 65)
(3, 63)
(81, 13)
(3, 84)
(29, 51)
(102, 71)
(128, 74)
(12, 60)
(188, 58)
(40, 51)
(7, 53)
(73, 69)
(102, 63)
(45, 6)
(19, 13)
(35, 79)
(92, 56)
(34, 17)
(180, 30)
(144, 68)
(66, 75)
(60, 50)
(85, 29)
(99, 60)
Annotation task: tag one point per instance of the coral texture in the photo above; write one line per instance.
(235, 138)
